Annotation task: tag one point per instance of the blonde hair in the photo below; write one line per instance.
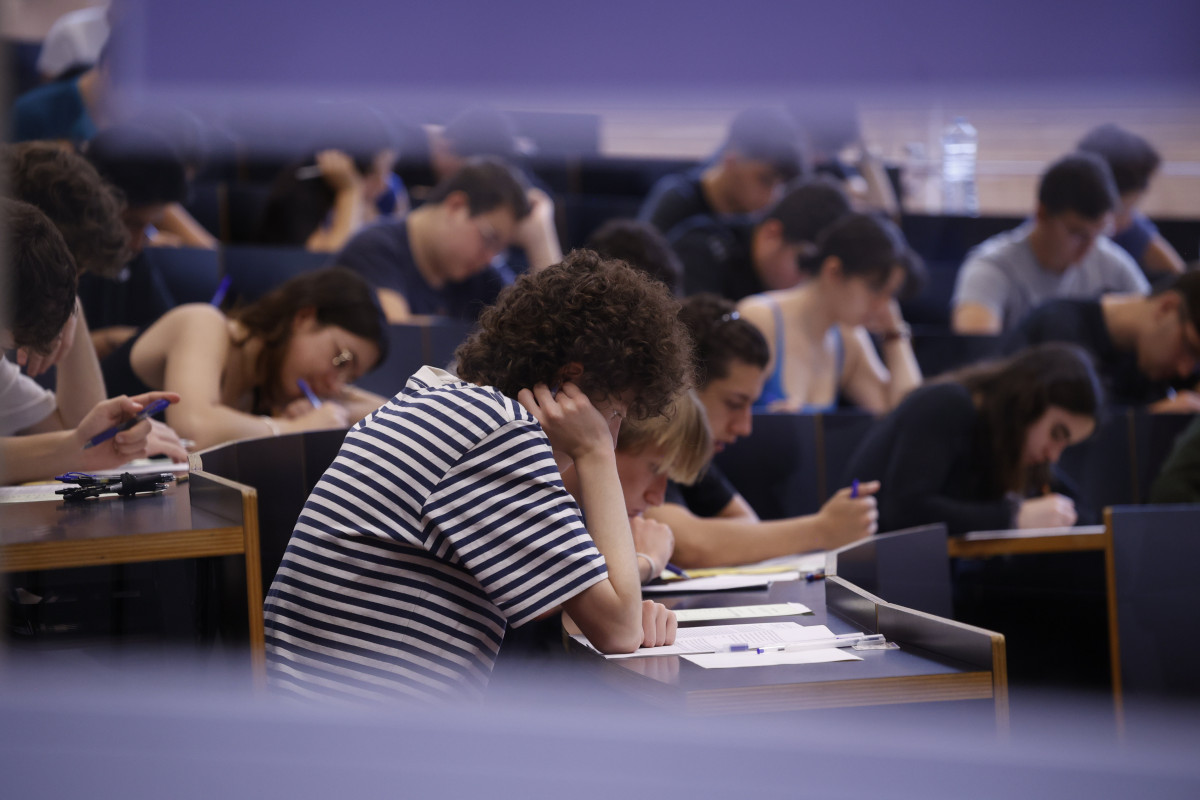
(681, 432)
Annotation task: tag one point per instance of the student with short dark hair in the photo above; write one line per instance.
(239, 374)
(712, 524)
(443, 520)
(53, 433)
(1141, 344)
(1062, 252)
(760, 154)
(438, 259)
(974, 449)
(1133, 162)
(737, 257)
(639, 245)
(818, 331)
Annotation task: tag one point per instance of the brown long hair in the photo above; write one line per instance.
(338, 296)
(1015, 392)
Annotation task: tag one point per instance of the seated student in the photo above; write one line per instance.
(321, 202)
(819, 345)
(43, 434)
(443, 520)
(974, 449)
(759, 156)
(438, 259)
(676, 446)
(1141, 344)
(240, 375)
(736, 257)
(713, 525)
(484, 132)
(1179, 479)
(1062, 252)
(639, 245)
(1133, 162)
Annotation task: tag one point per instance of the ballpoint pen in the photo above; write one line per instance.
(674, 570)
(148, 411)
(842, 640)
(308, 392)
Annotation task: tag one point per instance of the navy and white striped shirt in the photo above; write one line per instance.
(442, 520)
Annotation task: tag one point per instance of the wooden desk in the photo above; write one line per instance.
(207, 516)
(914, 673)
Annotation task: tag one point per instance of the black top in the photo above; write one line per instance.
(383, 256)
(1082, 322)
(119, 377)
(675, 198)
(717, 256)
(934, 460)
(707, 497)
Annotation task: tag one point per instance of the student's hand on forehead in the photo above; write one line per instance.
(570, 421)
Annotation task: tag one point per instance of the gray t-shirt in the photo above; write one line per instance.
(22, 402)
(1003, 275)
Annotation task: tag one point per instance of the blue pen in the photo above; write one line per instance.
(148, 411)
(674, 570)
(222, 289)
(308, 392)
(854, 488)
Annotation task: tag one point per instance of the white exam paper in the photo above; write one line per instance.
(728, 660)
(741, 612)
(718, 582)
(706, 639)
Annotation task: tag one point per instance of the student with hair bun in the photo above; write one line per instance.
(817, 332)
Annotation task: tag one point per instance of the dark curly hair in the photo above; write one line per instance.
(721, 336)
(43, 276)
(620, 324)
(85, 209)
(339, 296)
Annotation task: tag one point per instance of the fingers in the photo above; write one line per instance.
(658, 624)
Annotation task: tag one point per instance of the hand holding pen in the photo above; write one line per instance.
(850, 514)
(118, 430)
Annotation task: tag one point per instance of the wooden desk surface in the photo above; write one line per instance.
(882, 677)
(113, 530)
(985, 544)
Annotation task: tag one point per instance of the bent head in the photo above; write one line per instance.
(675, 446)
(324, 326)
(863, 263)
(731, 359)
(477, 209)
(1168, 345)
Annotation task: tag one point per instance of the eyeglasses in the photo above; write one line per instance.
(491, 239)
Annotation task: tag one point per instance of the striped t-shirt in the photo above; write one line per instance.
(442, 520)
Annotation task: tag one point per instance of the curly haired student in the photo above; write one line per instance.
(444, 520)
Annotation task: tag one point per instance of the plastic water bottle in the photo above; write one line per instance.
(960, 145)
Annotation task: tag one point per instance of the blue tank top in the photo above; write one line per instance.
(773, 390)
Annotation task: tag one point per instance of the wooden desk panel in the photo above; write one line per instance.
(882, 677)
(207, 516)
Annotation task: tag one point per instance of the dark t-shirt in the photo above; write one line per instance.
(935, 463)
(383, 256)
(675, 198)
(707, 497)
(716, 256)
(1082, 322)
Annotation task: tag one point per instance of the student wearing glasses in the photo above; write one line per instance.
(818, 331)
(239, 376)
(1142, 345)
(442, 258)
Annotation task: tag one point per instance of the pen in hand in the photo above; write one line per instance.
(308, 392)
(854, 489)
(148, 411)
